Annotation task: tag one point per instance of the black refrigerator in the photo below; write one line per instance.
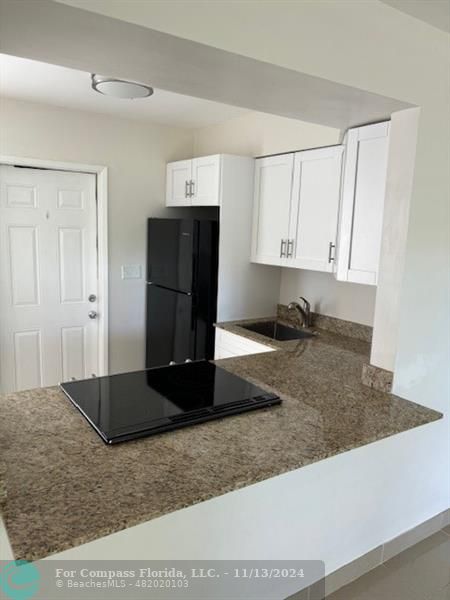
(182, 262)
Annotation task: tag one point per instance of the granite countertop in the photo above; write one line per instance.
(66, 487)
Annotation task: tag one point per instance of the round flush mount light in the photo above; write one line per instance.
(119, 88)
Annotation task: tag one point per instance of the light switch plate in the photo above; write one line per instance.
(131, 272)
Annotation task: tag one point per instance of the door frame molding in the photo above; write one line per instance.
(101, 173)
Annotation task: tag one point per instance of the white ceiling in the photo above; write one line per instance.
(51, 32)
(59, 86)
(433, 12)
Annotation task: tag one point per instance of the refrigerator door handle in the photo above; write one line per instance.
(194, 272)
(193, 314)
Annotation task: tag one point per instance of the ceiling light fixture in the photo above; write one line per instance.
(119, 88)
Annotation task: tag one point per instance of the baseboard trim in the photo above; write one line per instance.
(376, 557)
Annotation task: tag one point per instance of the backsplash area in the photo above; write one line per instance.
(342, 300)
(377, 378)
(338, 326)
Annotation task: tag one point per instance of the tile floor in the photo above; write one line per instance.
(420, 573)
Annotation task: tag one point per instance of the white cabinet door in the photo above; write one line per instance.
(362, 203)
(315, 205)
(194, 182)
(179, 175)
(271, 209)
(205, 186)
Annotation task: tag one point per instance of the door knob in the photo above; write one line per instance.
(92, 314)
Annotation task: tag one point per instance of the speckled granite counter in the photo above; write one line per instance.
(2, 485)
(66, 487)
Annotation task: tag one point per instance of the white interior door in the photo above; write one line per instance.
(315, 207)
(178, 180)
(48, 270)
(206, 181)
(272, 206)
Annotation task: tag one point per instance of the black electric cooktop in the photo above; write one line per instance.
(132, 405)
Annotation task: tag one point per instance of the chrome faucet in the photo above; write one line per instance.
(304, 311)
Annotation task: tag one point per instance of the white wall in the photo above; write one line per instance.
(245, 290)
(374, 47)
(135, 154)
(257, 134)
(349, 301)
(399, 183)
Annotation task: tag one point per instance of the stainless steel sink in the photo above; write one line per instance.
(277, 331)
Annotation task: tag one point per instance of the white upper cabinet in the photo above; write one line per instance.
(179, 175)
(296, 209)
(272, 208)
(315, 206)
(205, 186)
(362, 203)
(194, 182)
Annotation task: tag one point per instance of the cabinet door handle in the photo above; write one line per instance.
(186, 189)
(283, 248)
(290, 249)
(191, 188)
(331, 247)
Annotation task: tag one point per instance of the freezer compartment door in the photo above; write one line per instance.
(170, 327)
(171, 253)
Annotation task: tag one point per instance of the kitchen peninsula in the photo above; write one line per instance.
(69, 488)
